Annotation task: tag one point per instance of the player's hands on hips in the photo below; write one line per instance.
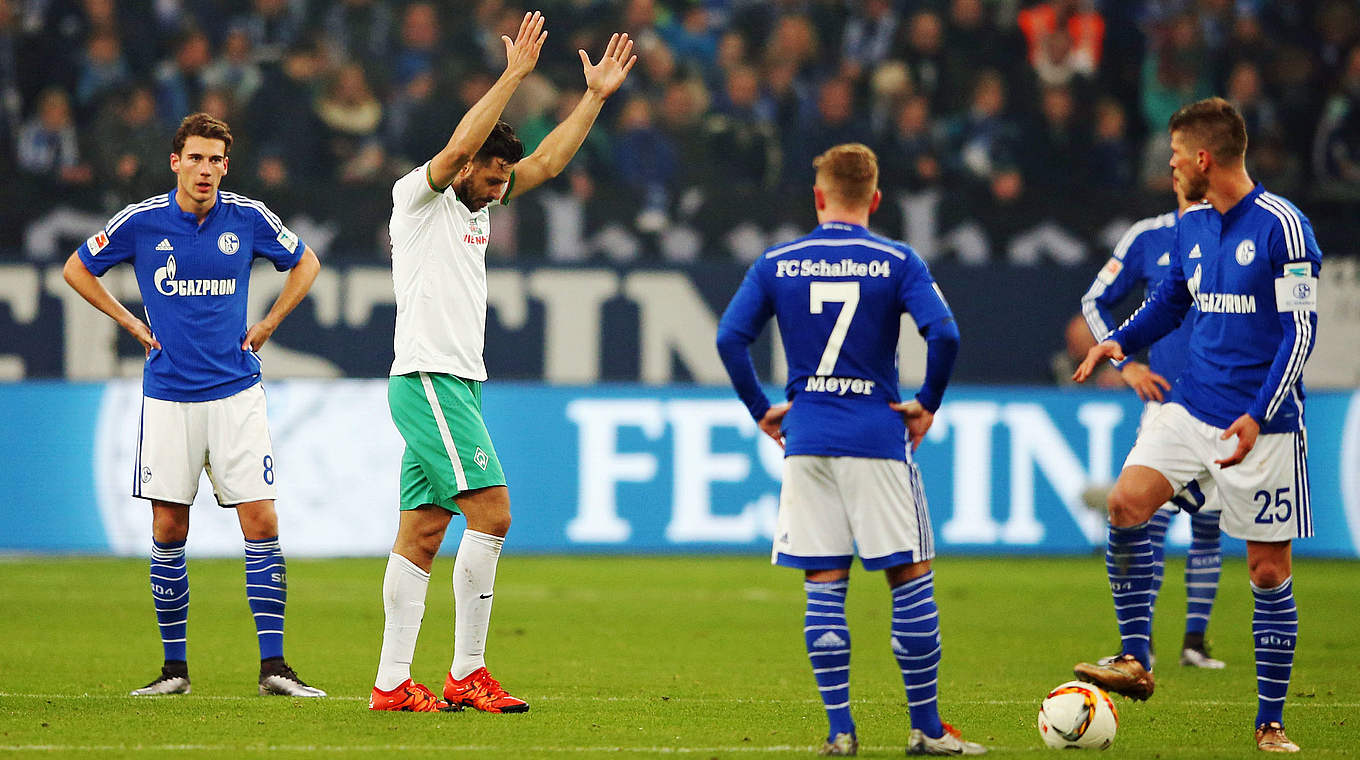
(1144, 381)
(142, 333)
(772, 423)
(917, 417)
(1246, 428)
(257, 335)
(605, 77)
(1106, 349)
(521, 53)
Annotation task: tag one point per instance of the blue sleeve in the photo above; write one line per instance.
(1161, 313)
(740, 325)
(1121, 274)
(922, 298)
(112, 245)
(274, 241)
(942, 348)
(1295, 261)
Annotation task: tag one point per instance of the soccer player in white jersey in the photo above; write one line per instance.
(439, 232)
(849, 484)
(1244, 268)
(203, 405)
(1143, 257)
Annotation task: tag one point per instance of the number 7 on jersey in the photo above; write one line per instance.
(846, 293)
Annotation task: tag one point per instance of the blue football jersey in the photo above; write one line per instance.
(1141, 258)
(1248, 277)
(838, 295)
(194, 280)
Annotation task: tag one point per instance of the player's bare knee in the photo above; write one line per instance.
(1127, 508)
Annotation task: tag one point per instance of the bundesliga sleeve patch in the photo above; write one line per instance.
(288, 240)
(98, 242)
(1295, 292)
(1110, 271)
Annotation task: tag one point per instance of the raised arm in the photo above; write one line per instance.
(521, 56)
(557, 149)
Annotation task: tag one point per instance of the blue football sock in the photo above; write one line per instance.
(170, 592)
(1157, 526)
(1202, 566)
(1128, 562)
(267, 590)
(916, 645)
(1275, 627)
(827, 636)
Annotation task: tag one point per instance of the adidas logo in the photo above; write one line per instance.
(1194, 252)
(164, 245)
(1165, 259)
(828, 640)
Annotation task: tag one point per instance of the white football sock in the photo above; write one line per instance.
(474, 578)
(404, 587)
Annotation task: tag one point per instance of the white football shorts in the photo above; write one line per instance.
(1198, 495)
(829, 506)
(228, 436)
(1264, 498)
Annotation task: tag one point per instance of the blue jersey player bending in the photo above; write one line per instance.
(849, 483)
(1143, 257)
(1244, 268)
(203, 407)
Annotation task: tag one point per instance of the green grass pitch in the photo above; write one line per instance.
(623, 657)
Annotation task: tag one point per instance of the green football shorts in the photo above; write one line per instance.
(448, 449)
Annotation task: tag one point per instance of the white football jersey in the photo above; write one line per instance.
(439, 275)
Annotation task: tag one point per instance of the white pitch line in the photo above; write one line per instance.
(332, 749)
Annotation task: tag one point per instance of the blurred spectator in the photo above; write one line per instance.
(179, 82)
(280, 116)
(910, 154)
(1057, 63)
(868, 38)
(351, 116)
(420, 119)
(1336, 150)
(102, 70)
(973, 42)
(419, 46)
(692, 38)
(48, 150)
(1111, 163)
(1057, 144)
(131, 152)
(646, 161)
(925, 57)
(359, 30)
(11, 100)
(836, 122)
(235, 69)
(1175, 72)
(984, 137)
(740, 130)
(272, 27)
(1246, 91)
(1077, 20)
(1077, 340)
(889, 87)
(681, 115)
(794, 107)
(794, 41)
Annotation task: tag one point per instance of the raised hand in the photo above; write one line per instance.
(605, 77)
(521, 53)
(1106, 349)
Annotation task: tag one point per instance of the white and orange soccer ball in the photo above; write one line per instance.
(1078, 715)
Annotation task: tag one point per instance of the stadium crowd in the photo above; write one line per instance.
(1012, 111)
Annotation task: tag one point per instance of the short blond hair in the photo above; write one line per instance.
(848, 173)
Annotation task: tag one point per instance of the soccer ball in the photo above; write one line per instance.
(1078, 715)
